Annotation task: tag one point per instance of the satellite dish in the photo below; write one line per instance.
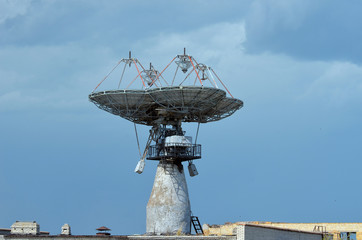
(164, 102)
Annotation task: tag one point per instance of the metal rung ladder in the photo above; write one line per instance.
(197, 226)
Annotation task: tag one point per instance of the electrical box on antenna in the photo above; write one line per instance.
(192, 170)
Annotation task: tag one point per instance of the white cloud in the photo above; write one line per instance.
(313, 30)
(339, 85)
(22, 100)
(56, 77)
(268, 16)
(13, 8)
(207, 43)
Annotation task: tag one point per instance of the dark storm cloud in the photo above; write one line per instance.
(319, 30)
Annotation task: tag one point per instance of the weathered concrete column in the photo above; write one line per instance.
(168, 209)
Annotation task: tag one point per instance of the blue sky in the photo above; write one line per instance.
(292, 154)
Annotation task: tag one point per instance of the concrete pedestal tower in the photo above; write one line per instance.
(168, 209)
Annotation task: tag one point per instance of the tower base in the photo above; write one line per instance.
(168, 209)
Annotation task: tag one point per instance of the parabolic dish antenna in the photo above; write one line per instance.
(166, 104)
(164, 100)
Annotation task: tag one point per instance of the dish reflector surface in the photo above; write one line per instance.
(167, 104)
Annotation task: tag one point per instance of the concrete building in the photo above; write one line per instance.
(257, 232)
(66, 230)
(339, 231)
(22, 228)
(25, 228)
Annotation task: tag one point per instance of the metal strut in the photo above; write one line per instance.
(141, 163)
(191, 167)
(138, 143)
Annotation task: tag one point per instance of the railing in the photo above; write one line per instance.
(155, 152)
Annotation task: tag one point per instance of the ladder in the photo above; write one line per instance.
(197, 226)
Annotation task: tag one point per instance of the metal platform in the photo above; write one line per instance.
(168, 104)
(180, 153)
